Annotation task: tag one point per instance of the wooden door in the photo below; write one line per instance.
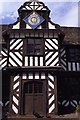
(34, 97)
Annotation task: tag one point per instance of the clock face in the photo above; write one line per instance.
(34, 20)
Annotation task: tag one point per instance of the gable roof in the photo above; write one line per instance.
(33, 5)
(72, 35)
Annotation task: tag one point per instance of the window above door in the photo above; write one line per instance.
(33, 87)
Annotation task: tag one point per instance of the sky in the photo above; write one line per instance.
(63, 12)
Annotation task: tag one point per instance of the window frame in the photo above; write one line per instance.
(31, 89)
(75, 57)
(35, 47)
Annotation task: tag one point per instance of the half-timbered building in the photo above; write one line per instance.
(40, 64)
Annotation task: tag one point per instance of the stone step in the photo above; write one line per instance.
(72, 116)
(41, 119)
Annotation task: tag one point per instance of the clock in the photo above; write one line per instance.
(34, 20)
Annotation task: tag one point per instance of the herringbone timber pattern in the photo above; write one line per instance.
(63, 61)
(51, 52)
(15, 94)
(51, 94)
(3, 58)
(16, 53)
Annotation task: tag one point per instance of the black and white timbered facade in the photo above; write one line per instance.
(40, 63)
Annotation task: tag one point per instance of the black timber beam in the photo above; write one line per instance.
(55, 70)
(23, 33)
